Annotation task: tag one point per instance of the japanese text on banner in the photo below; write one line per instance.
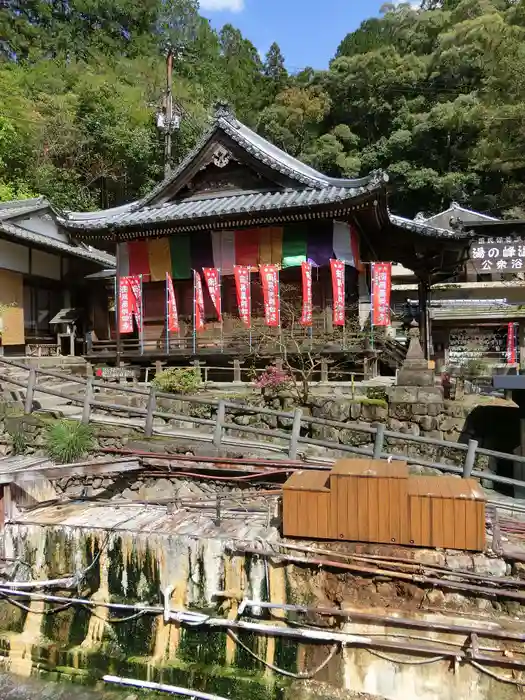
(126, 304)
(212, 277)
(381, 285)
(135, 285)
(244, 301)
(511, 344)
(173, 316)
(199, 302)
(338, 289)
(270, 285)
(501, 254)
(306, 315)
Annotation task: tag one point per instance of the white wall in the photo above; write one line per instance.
(14, 257)
(45, 264)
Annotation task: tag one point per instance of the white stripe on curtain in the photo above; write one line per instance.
(223, 244)
(342, 243)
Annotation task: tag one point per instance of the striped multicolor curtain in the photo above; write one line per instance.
(289, 247)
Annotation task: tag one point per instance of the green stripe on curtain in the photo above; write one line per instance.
(180, 257)
(294, 245)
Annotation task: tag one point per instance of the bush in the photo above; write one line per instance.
(177, 380)
(67, 441)
(273, 380)
(19, 442)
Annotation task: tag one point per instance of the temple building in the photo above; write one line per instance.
(44, 294)
(237, 199)
(473, 313)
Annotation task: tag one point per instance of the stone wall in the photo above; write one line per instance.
(415, 411)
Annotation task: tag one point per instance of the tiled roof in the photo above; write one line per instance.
(425, 229)
(204, 207)
(76, 250)
(267, 153)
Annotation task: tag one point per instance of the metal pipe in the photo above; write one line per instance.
(417, 578)
(161, 688)
(318, 636)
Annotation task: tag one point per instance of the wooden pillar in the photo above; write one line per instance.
(521, 345)
(117, 306)
(424, 317)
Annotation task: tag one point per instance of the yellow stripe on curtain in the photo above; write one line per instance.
(270, 246)
(159, 256)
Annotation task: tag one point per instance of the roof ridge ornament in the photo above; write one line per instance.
(224, 111)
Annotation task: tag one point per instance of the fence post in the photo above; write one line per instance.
(379, 440)
(296, 433)
(236, 371)
(324, 370)
(88, 396)
(221, 415)
(152, 404)
(470, 459)
(30, 391)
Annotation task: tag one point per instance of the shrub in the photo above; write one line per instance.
(177, 380)
(273, 380)
(19, 442)
(67, 441)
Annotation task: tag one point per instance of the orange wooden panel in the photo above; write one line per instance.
(376, 500)
(323, 515)
(289, 513)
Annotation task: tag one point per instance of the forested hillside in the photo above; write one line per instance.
(435, 96)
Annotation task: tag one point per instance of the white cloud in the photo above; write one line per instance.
(222, 5)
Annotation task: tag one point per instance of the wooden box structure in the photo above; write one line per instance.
(369, 500)
(446, 512)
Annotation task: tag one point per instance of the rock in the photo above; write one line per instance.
(323, 432)
(433, 409)
(436, 597)
(402, 411)
(355, 411)
(395, 425)
(428, 423)
(244, 419)
(490, 567)
(403, 394)
(456, 600)
(446, 423)
(420, 409)
(430, 557)
(338, 410)
(460, 562)
(430, 394)
(411, 429)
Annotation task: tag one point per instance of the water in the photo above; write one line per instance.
(15, 688)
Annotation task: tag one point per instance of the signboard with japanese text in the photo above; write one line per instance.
(126, 304)
(511, 344)
(306, 315)
(338, 291)
(381, 286)
(270, 286)
(498, 254)
(242, 285)
(213, 282)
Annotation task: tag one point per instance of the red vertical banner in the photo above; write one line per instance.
(306, 315)
(135, 285)
(338, 289)
(244, 298)
(270, 286)
(199, 302)
(381, 286)
(213, 282)
(173, 316)
(125, 306)
(511, 344)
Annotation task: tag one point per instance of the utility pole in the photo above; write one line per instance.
(168, 119)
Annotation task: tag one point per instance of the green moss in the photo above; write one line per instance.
(203, 648)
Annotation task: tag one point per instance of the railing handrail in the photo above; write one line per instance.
(220, 424)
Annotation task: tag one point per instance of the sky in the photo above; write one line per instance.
(308, 31)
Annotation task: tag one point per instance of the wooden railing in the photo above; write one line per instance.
(217, 428)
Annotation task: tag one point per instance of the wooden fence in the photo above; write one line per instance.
(218, 426)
